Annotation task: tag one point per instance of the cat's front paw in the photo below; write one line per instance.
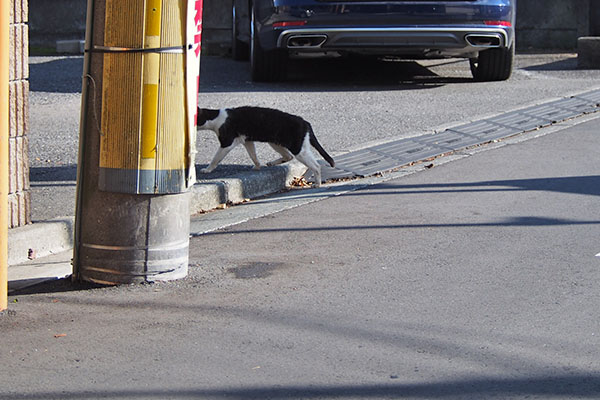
(206, 170)
(256, 167)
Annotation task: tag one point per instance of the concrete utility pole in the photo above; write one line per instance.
(4, 127)
(137, 140)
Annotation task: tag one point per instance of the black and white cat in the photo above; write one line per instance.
(289, 135)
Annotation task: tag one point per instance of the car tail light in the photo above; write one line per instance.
(284, 24)
(498, 23)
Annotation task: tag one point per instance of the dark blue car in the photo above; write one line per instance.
(268, 32)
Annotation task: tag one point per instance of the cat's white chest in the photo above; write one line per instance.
(215, 124)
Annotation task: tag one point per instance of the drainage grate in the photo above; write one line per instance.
(578, 106)
(365, 162)
(593, 97)
(388, 156)
(521, 121)
(408, 150)
(485, 130)
(449, 140)
(552, 112)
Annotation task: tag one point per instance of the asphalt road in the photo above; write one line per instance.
(474, 279)
(350, 104)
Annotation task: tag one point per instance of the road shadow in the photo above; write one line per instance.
(57, 75)
(580, 385)
(222, 74)
(53, 174)
(48, 286)
(568, 64)
(580, 185)
(219, 74)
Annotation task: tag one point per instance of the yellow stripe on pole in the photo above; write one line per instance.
(153, 17)
(4, 55)
(149, 121)
(150, 88)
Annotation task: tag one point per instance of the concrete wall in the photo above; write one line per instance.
(216, 35)
(52, 20)
(544, 24)
(594, 17)
(551, 24)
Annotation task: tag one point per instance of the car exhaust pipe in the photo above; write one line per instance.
(487, 41)
(305, 41)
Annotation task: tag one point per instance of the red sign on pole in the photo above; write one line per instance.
(198, 22)
(194, 49)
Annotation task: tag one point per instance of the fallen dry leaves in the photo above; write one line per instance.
(299, 181)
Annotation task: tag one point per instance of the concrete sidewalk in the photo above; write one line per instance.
(55, 98)
(28, 246)
(471, 276)
(43, 251)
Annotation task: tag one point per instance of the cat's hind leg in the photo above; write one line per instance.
(285, 155)
(252, 153)
(307, 157)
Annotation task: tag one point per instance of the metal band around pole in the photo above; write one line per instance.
(115, 49)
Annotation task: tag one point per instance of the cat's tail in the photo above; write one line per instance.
(315, 143)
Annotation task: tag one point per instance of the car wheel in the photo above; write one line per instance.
(265, 66)
(493, 64)
(240, 51)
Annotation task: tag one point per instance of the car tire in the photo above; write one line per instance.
(240, 51)
(265, 66)
(493, 64)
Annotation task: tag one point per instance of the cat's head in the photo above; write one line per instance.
(205, 115)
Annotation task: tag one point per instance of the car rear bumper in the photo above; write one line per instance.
(386, 27)
(434, 40)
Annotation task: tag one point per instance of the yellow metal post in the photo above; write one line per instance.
(4, 65)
